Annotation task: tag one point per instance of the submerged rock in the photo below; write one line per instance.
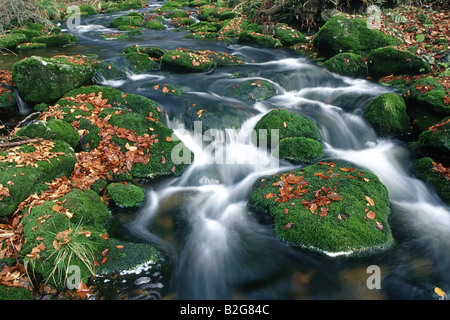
(329, 207)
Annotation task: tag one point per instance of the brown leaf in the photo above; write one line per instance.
(370, 201)
(370, 215)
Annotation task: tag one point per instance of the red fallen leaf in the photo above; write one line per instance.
(104, 259)
(82, 290)
(104, 252)
(288, 225)
(270, 195)
(163, 160)
(172, 169)
(370, 215)
(348, 169)
(286, 211)
(370, 201)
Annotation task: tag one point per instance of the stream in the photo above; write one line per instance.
(201, 220)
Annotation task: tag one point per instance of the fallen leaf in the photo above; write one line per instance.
(439, 292)
(370, 215)
(82, 290)
(370, 201)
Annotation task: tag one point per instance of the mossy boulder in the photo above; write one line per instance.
(288, 125)
(204, 26)
(8, 100)
(130, 4)
(428, 93)
(389, 60)
(300, 150)
(184, 60)
(65, 231)
(25, 169)
(154, 25)
(40, 79)
(435, 142)
(15, 293)
(254, 89)
(329, 207)
(126, 195)
(152, 51)
(31, 45)
(140, 62)
(133, 21)
(10, 40)
(341, 34)
(428, 170)
(105, 70)
(57, 40)
(387, 115)
(126, 257)
(177, 14)
(347, 64)
(53, 129)
(288, 36)
(249, 37)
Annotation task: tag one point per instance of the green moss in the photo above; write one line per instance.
(387, 115)
(262, 40)
(435, 142)
(53, 129)
(300, 150)
(28, 179)
(57, 40)
(389, 60)
(424, 170)
(9, 41)
(140, 62)
(185, 61)
(130, 4)
(39, 79)
(288, 125)
(254, 89)
(288, 36)
(109, 70)
(15, 293)
(31, 45)
(134, 21)
(171, 5)
(152, 51)
(132, 255)
(431, 99)
(347, 64)
(154, 25)
(126, 195)
(204, 26)
(90, 10)
(335, 226)
(340, 34)
(177, 14)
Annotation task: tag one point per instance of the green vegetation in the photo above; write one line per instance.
(126, 195)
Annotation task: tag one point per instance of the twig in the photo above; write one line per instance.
(27, 118)
(18, 143)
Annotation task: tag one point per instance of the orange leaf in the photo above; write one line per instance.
(334, 196)
(270, 195)
(82, 290)
(371, 215)
(370, 201)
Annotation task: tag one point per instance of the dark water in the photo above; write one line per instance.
(219, 249)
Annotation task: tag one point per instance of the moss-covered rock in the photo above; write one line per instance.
(288, 36)
(387, 115)
(154, 25)
(184, 60)
(341, 34)
(10, 40)
(53, 129)
(300, 150)
(31, 45)
(130, 4)
(24, 170)
(7, 98)
(428, 170)
(134, 21)
(347, 64)
(435, 142)
(389, 60)
(67, 231)
(126, 195)
(288, 125)
(39, 79)
(429, 94)
(57, 40)
(249, 37)
(330, 207)
(15, 293)
(140, 62)
(152, 51)
(105, 70)
(254, 89)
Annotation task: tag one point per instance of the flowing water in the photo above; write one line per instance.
(200, 219)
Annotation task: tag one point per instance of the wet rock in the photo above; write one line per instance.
(330, 207)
